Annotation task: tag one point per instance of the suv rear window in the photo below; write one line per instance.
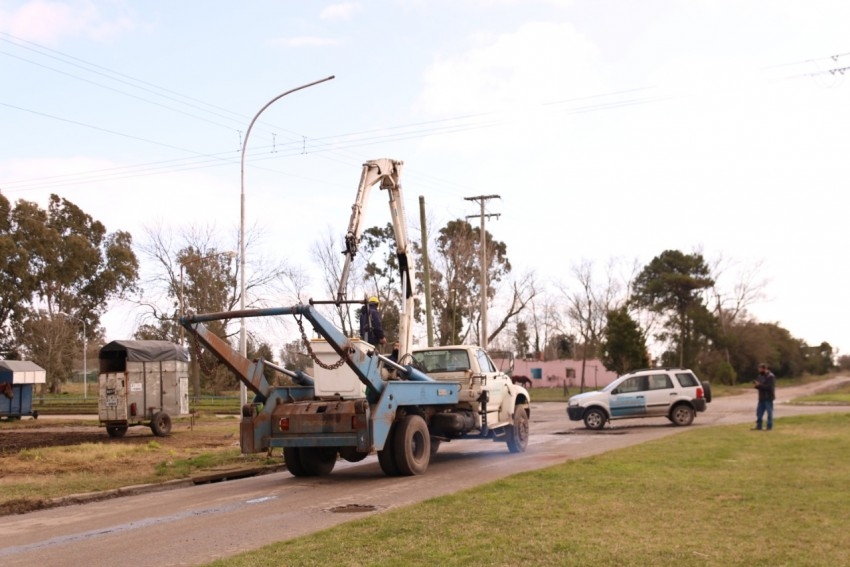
(687, 379)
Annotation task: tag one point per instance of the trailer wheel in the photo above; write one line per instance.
(386, 456)
(161, 424)
(116, 431)
(318, 461)
(412, 445)
(292, 459)
(518, 431)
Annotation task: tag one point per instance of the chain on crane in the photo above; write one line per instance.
(313, 356)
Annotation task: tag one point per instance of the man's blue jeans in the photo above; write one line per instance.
(762, 407)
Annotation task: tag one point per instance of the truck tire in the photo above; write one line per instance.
(386, 456)
(292, 460)
(412, 445)
(351, 454)
(435, 445)
(318, 461)
(116, 431)
(595, 418)
(161, 424)
(518, 431)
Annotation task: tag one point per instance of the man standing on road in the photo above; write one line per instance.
(766, 386)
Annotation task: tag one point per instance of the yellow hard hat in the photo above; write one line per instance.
(374, 299)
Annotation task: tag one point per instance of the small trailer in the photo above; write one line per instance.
(142, 383)
(17, 381)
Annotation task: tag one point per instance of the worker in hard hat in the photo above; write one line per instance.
(371, 328)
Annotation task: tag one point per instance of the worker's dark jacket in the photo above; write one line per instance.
(766, 385)
(371, 328)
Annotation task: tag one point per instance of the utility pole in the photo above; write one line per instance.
(426, 267)
(482, 199)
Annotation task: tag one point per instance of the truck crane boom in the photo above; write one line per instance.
(386, 173)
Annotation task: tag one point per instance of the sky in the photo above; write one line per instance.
(610, 130)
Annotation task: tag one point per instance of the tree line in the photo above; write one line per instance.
(60, 268)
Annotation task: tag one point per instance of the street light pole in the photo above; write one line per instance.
(243, 342)
(85, 344)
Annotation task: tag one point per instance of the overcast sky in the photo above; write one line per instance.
(609, 129)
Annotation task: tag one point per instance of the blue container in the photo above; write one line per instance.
(17, 380)
(537, 373)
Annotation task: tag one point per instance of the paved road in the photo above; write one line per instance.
(194, 525)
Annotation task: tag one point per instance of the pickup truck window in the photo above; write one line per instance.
(484, 362)
(447, 360)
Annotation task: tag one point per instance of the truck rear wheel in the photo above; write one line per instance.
(518, 431)
(318, 461)
(412, 445)
(292, 459)
(161, 424)
(351, 454)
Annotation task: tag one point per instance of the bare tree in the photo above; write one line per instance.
(588, 305)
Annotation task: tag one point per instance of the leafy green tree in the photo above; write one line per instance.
(521, 339)
(561, 346)
(671, 285)
(76, 265)
(456, 279)
(818, 358)
(16, 283)
(623, 345)
(71, 265)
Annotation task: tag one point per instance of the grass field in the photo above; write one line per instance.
(716, 496)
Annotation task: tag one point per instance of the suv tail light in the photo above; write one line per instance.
(700, 393)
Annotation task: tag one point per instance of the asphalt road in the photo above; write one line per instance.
(197, 524)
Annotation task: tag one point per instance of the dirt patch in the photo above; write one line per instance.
(33, 437)
(34, 481)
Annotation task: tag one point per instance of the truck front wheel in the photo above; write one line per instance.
(412, 445)
(518, 431)
(386, 456)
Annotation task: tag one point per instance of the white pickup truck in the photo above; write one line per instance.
(490, 405)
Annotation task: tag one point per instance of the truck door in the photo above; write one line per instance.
(494, 386)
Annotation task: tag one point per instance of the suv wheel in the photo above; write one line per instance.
(682, 415)
(595, 418)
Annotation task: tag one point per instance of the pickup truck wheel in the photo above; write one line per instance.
(318, 461)
(595, 418)
(682, 415)
(116, 431)
(292, 460)
(161, 424)
(386, 456)
(412, 445)
(518, 431)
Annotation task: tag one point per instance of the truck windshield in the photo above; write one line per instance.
(442, 360)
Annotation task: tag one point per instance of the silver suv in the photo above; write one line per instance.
(674, 393)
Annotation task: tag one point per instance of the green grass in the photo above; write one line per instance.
(714, 496)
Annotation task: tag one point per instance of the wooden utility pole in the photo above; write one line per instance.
(483, 216)
(426, 267)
